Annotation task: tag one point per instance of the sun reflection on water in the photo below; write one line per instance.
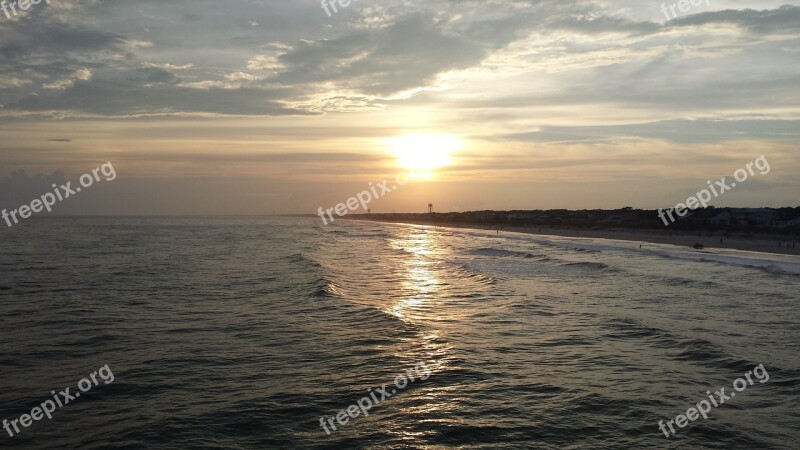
(423, 294)
(421, 285)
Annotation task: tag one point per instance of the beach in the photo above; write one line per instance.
(754, 242)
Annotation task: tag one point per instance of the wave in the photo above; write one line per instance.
(478, 277)
(328, 289)
(766, 262)
(368, 235)
(775, 264)
(685, 349)
(302, 259)
(588, 265)
(490, 251)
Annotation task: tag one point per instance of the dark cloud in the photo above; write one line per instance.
(117, 59)
(682, 131)
(405, 55)
(55, 39)
(785, 19)
(599, 25)
(140, 92)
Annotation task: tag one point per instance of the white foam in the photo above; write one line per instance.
(770, 262)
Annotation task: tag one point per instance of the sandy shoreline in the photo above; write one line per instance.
(750, 242)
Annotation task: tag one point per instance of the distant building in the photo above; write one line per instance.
(793, 223)
(523, 215)
(484, 215)
(755, 217)
(723, 218)
(624, 216)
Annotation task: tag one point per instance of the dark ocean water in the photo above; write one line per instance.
(240, 333)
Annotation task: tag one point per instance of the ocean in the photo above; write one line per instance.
(246, 332)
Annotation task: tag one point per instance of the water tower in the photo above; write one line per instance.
(430, 208)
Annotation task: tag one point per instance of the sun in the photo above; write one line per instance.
(422, 153)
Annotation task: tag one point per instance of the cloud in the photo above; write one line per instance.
(114, 97)
(13, 82)
(82, 74)
(405, 55)
(117, 59)
(682, 131)
(785, 19)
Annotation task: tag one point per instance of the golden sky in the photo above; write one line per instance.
(247, 107)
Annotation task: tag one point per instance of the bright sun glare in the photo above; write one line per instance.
(420, 154)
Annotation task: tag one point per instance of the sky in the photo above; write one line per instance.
(255, 107)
